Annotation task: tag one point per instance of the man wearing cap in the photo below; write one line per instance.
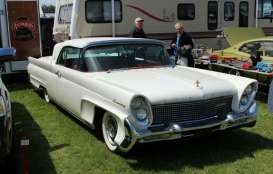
(137, 31)
(182, 44)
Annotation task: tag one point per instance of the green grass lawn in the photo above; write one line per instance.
(60, 144)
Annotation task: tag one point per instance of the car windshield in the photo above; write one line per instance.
(129, 56)
(263, 46)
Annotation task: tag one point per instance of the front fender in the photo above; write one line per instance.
(88, 114)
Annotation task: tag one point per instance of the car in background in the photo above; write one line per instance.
(244, 50)
(5, 122)
(130, 90)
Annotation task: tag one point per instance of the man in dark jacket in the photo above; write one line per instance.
(137, 31)
(182, 44)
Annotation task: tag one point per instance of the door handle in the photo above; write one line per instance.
(58, 74)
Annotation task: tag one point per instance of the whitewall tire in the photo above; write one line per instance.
(109, 131)
(46, 96)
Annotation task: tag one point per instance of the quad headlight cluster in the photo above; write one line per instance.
(248, 96)
(141, 111)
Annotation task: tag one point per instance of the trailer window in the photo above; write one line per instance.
(243, 14)
(212, 15)
(229, 11)
(265, 9)
(100, 11)
(65, 12)
(186, 11)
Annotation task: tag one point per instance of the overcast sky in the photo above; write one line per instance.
(47, 2)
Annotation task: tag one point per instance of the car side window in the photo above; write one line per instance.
(250, 47)
(268, 48)
(101, 58)
(70, 57)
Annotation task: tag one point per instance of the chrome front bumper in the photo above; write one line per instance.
(177, 130)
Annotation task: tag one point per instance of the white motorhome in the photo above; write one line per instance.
(203, 18)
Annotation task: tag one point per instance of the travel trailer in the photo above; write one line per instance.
(203, 18)
(20, 29)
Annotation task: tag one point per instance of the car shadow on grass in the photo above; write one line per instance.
(16, 82)
(39, 148)
(198, 152)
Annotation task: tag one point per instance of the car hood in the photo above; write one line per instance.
(236, 35)
(167, 84)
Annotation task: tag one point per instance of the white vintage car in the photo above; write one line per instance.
(130, 89)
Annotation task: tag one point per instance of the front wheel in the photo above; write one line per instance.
(46, 96)
(109, 130)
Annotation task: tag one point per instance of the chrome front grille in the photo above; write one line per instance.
(192, 111)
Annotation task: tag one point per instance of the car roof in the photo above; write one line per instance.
(236, 35)
(269, 38)
(85, 42)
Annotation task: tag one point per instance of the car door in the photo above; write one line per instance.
(67, 70)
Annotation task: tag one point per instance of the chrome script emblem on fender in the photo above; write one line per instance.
(197, 83)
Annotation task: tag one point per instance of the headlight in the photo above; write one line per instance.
(248, 97)
(141, 112)
(249, 90)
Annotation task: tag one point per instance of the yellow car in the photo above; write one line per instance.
(243, 50)
(246, 41)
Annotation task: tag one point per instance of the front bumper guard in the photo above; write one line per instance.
(176, 130)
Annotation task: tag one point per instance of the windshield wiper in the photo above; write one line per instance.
(119, 69)
(128, 68)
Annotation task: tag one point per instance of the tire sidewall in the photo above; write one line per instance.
(104, 133)
(46, 96)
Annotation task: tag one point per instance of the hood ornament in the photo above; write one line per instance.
(197, 83)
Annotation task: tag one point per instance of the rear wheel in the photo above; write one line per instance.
(8, 137)
(234, 72)
(46, 96)
(109, 130)
(9, 141)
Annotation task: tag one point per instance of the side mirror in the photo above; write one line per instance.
(170, 52)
